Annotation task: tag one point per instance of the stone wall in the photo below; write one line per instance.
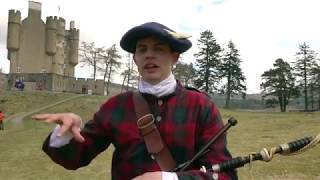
(3, 82)
(57, 83)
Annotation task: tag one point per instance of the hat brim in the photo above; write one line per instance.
(129, 40)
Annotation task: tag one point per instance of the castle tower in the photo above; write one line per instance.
(38, 47)
(41, 52)
(34, 10)
(55, 32)
(59, 64)
(13, 38)
(51, 37)
(73, 43)
(28, 56)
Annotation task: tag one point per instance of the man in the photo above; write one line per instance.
(185, 119)
(1, 120)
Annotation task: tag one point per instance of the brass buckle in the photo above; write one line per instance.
(148, 124)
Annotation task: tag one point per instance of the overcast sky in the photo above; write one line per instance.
(262, 30)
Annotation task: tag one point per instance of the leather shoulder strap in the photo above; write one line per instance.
(151, 135)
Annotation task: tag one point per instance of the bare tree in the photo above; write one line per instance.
(90, 55)
(130, 74)
(106, 58)
(110, 59)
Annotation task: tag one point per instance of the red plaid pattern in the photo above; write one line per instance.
(187, 121)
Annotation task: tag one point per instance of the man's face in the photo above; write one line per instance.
(154, 59)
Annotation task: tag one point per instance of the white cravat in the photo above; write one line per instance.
(163, 88)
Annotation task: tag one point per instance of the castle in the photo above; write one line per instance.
(44, 54)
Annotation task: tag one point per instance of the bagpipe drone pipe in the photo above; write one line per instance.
(291, 148)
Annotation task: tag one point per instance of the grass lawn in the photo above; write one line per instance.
(21, 156)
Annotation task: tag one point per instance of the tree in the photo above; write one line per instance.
(130, 74)
(90, 55)
(207, 62)
(279, 82)
(184, 72)
(231, 71)
(271, 103)
(305, 60)
(111, 62)
(315, 85)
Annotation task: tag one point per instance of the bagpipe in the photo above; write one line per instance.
(266, 155)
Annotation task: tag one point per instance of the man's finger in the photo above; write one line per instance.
(54, 119)
(41, 116)
(76, 134)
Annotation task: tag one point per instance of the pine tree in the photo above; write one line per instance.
(305, 61)
(208, 60)
(231, 71)
(315, 86)
(279, 82)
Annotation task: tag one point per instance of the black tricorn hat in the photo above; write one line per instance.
(178, 42)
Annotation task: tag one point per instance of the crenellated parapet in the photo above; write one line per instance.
(14, 16)
(14, 25)
(60, 24)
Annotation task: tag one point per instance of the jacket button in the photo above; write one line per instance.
(160, 102)
(152, 157)
(158, 118)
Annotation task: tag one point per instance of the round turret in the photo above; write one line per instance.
(13, 36)
(51, 36)
(61, 24)
(74, 46)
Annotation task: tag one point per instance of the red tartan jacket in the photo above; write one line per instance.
(186, 121)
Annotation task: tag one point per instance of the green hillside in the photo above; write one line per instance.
(22, 158)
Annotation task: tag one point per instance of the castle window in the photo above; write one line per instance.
(95, 86)
(73, 85)
(18, 69)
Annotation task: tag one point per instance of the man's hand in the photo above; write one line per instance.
(67, 121)
(150, 176)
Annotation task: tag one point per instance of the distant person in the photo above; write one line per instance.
(1, 120)
(16, 84)
(19, 85)
(147, 146)
(22, 86)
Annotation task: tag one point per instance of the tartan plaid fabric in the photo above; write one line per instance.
(185, 119)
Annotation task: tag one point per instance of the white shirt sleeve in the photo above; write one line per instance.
(58, 141)
(169, 176)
